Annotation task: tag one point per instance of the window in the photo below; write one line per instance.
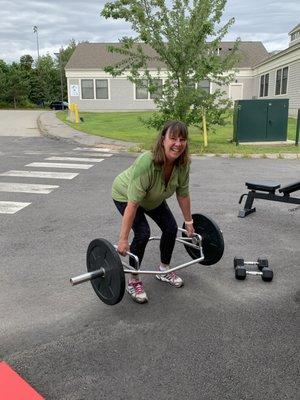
(205, 85)
(281, 81)
(101, 89)
(264, 85)
(158, 92)
(141, 90)
(284, 80)
(87, 88)
(278, 81)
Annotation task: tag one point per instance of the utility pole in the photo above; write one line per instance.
(61, 76)
(36, 30)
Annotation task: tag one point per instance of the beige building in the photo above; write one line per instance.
(258, 75)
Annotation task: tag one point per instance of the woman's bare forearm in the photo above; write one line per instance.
(185, 206)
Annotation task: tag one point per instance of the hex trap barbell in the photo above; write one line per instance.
(106, 270)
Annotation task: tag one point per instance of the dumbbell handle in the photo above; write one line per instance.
(254, 273)
(250, 263)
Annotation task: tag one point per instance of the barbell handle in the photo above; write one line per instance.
(87, 277)
(135, 258)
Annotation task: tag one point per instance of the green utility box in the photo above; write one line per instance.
(260, 120)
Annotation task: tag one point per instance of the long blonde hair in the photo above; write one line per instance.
(178, 129)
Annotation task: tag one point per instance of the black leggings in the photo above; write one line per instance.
(164, 218)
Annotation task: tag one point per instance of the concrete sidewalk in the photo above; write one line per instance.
(50, 126)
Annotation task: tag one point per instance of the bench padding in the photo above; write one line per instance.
(264, 186)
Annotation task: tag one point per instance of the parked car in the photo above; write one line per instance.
(59, 105)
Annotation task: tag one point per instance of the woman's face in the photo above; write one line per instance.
(173, 145)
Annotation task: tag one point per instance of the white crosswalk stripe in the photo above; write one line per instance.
(11, 207)
(91, 154)
(74, 159)
(40, 174)
(26, 188)
(58, 165)
(96, 149)
(87, 158)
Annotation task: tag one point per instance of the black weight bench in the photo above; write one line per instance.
(267, 191)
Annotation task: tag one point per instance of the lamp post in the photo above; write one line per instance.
(61, 78)
(36, 30)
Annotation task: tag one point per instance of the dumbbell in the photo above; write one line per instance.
(262, 264)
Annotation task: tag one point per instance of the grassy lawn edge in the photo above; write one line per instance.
(127, 126)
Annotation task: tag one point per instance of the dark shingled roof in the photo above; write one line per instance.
(96, 56)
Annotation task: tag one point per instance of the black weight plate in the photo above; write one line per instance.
(212, 240)
(111, 287)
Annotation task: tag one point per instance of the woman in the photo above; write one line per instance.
(142, 189)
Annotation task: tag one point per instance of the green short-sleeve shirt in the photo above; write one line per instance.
(143, 183)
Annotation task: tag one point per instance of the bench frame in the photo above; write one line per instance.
(267, 191)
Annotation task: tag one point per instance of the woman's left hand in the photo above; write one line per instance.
(190, 229)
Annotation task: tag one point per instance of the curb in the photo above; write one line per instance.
(272, 156)
(58, 130)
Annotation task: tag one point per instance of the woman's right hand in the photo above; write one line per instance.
(123, 247)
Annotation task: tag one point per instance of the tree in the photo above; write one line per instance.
(26, 62)
(27, 82)
(17, 84)
(3, 79)
(186, 36)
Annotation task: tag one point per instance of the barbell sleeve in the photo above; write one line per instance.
(87, 277)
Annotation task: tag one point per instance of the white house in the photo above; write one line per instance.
(258, 75)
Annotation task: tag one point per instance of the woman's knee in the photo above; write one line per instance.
(142, 235)
(171, 229)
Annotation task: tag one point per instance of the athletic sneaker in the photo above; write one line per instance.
(172, 278)
(136, 290)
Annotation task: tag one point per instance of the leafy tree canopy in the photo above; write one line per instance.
(186, 36)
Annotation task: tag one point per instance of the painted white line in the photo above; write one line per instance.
(11, 207)
(57, 165)
(96, 149)
(40, 174)
(74, 159)
(91, 154)
(26, 188)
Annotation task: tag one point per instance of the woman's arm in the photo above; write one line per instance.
(127, 221)
(185, 206)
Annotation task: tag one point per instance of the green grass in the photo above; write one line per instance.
(128, 127)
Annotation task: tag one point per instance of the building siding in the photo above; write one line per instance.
(121, 97)
(293, 86)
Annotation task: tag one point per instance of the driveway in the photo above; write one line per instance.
(19, 123)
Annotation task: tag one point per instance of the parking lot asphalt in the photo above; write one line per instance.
(216, 338)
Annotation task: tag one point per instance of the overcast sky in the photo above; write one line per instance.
(268, 21)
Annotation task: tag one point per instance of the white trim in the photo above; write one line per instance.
(278, 61)
(101, 74)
